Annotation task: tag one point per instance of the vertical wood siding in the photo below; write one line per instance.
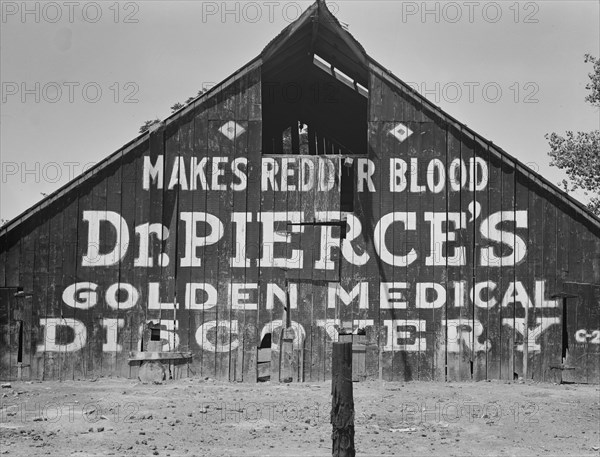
(199, 252)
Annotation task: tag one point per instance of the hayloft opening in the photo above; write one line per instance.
(314, 92)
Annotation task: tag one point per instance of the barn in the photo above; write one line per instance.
(311, 197)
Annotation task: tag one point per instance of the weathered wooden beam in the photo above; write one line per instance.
(144, 356)
(342, 406)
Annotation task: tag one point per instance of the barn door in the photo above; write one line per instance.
(320, 243)
(7, 333)
(15, 341)
(581, 347)
(300, 196)
(319, 240)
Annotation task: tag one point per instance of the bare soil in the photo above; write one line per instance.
(196, 417)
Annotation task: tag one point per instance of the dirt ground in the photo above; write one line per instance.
(196, 417)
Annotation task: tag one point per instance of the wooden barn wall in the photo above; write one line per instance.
(501, 246)
(449, 260)
(115, 254)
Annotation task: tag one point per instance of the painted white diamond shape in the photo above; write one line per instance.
(401, 132)
(232, 130)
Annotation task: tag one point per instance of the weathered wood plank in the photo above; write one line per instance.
(176, 183)
(395, 312)
(437, 328)
(25, 304)
(358, 259)
(294, 263)
(70, 266)
(548, 309)
(465, 322)
(54, 287)
(223, 147)
(328, 206)
(592, 331)
(103, 274)
(582, 362)
(456, 253)
(306, 304)
(481, 309)
(524, 309)
(131, 198)
(203, 361)
(276, 255)
(9, 336)
(245, 306)
(393, 357)
(7, 328)
(305, 295)
(388, 109)
(183, 275)
(575, 360)
(509, 304)
(266, 337)
(112, 318)
(563, 229)
(80, 358)
(38, 301)
(237, 273)
(369, 207)
(429, 301)
(535, 264)
(13, 249)
(248, 153)
(13, 261)
(327, 334)
(156, 244)
(252, 329)
(133, 181)
(492, 294)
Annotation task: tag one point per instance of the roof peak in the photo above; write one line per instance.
(317, 20)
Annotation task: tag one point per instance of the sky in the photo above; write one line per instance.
(79, 78)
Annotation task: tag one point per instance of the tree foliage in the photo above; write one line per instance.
(579, 153)
(594, 84)
(147, 124)
(176, 107)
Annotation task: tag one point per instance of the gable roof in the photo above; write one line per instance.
(349, 55)
(325, 36)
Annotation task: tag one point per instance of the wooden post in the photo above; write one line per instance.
(342, 407)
